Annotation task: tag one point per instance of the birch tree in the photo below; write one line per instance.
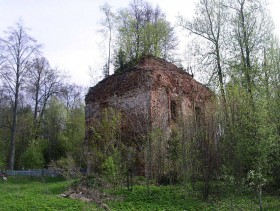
(108, 24)
(209, 24)
(18, 49)
(251, 31)
(143, 30)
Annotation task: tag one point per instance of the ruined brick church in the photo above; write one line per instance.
(153, 93)
(153, 89)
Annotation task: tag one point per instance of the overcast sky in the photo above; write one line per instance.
(68, 28)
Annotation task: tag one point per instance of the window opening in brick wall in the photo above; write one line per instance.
(174, 110)
(198, 116)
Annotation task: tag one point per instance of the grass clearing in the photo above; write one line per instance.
(27, 193)
(175, 198)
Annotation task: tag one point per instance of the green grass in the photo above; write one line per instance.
(175, 198)
(160, 198)
(25, 193)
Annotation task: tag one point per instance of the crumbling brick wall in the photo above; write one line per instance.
(152, 94)
(153, 87)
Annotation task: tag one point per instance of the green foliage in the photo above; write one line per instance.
(47, 110)
(26, 193)
(24, 131)
(247, 82)
(142, 30)
(33, 156)
(108, 127)
(176, 198)
(37, 194)
(2, 164)
(54, 123)
(74, 132)
(112, 169)
(256, 180)
(105, 146)
(120, 61)
(160, 198)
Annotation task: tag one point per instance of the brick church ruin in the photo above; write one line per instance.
(151, 94)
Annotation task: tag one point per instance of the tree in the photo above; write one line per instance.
(209, 24)
(72, 97)
(24, 133)
(5, 116)
(244, 58)
(33, 156)
(252, 29)
(104, 147)
(143, 30)
(250, 34)
(108, 24)
(269, 106)
(43, 83)
(53, 126)
(18, 49)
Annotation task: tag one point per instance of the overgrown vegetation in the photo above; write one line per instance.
(135, 31)
(177, 198)
(226, 156)
(26, 193)
(235, 140)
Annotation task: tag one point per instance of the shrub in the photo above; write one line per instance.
(33, 156)
(68, 168)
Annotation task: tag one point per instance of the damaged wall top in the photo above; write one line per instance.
(149, 74)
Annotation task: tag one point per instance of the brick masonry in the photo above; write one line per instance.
(152, 94)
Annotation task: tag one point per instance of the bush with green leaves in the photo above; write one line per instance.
(33, 157)
(257, 181)
(112, 169)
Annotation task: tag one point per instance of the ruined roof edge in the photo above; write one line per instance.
(139, 66)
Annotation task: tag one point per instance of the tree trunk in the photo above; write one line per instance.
(109, 56)
(13, 130)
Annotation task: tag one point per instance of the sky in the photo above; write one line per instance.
(68, 29)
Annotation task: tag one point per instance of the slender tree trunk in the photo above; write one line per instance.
(109, 56)
(35, 116)
(13, 130)
(247, 61)
(220, 75)
(36, 102)
(260, 198)
(149, 165)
